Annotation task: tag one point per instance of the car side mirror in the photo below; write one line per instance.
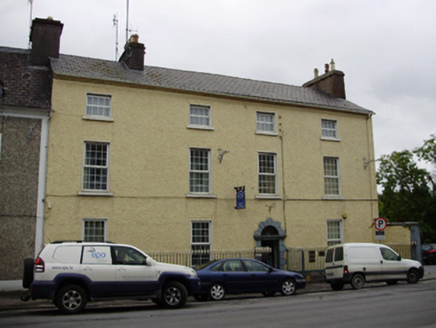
(270, 270)
(399, 258)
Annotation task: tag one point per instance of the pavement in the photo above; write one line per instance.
(10, 300)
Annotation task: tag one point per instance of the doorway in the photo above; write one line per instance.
(270, 234)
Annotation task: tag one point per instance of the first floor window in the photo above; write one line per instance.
(266, 122)
(199, 171)
(331, 176)
(96, 166)
(329, 129)
(200, 242)
(334, 232)
(199, 115)
(98, 105)
(267, 173)
(94, 230)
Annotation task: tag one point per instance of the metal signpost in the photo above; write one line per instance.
(380, 225)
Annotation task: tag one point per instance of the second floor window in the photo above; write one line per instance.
(329, 129)
(199, 171)
(267, 173)
(96, 166)
(331, 176)
(266, 122)
(98, 105)
(199, 115)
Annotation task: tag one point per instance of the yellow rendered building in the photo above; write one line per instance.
(155, 157)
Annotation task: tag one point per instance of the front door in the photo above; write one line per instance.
(134, 275)
(393, 267)
(260, 277)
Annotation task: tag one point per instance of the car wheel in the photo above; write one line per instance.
(358, 281)
(391, 282)
(174, 295)
(200, 297)
(337, 286)
(268, 294)
(28, 272)
(288, 287)
(217, 292)
(71, 299)
(412, 276)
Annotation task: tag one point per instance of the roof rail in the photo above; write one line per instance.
(80, 241)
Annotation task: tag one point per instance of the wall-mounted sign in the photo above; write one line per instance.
(240, 197)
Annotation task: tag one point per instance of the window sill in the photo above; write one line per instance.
(268, 197)
(266, 133)
(95, 193)
(330, 139)
(333, 197)
(97, 118)
(200, 196)
(200, 127)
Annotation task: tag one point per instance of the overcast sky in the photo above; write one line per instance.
(386, 48)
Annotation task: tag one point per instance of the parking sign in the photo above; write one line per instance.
(380, 224)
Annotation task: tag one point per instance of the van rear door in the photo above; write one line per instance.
(334, 263)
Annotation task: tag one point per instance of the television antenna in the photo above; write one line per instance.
(127, 22)
(30, 20)
(115, 21)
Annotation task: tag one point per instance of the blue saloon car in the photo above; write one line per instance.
(240, 276)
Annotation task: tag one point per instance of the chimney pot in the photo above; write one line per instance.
(134, 38)
(326, 66)
(333, 65)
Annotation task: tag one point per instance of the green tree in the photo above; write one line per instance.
(428, 151)
(408, 190)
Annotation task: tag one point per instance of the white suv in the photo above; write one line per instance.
(71, 273)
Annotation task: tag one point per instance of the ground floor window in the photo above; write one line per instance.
(94, 230)
(334, 232)
(200, 242)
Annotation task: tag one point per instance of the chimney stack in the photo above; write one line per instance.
(45, 37)
(133, 55)
(332, 82)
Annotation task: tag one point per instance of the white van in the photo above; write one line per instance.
(357, 263)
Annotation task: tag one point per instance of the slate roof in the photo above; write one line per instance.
(214, 84)
(24, 85)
